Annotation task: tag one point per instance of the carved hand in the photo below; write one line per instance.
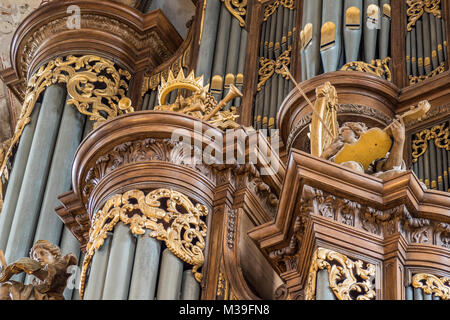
(398, 131)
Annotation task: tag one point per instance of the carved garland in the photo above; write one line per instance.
(440, 135)
(95, 85)
(183, 232)
(349, 280)
(431, 284)
(378, 67)
(269, 67)
(238, 8)
(416, 8)
(272, 8)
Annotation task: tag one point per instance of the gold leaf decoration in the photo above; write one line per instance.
(349, 280)
(272, 8)
(440, 135)
(377, 67)
(431, 284)
(416, 8)
(268, 67)
(182, 231)
(238, 8)
(94, 84)
(417, 79)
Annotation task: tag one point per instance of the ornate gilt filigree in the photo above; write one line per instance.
(201, 104)
(438, 133)
(349, 280)
(238, 8)
(416, 8)
(270, 9)
(431, 284)
(269, 67)
(417, 79)
(177, 222)
(377, 67)
(94, 84)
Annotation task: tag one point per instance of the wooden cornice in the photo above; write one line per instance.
(306, 169)
(134, 40)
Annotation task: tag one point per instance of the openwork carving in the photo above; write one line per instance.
(268, 67)
(170, 216)
(417, 79)
(201, 104)
(377, 67)
(349, 280)
(416, 8)
(438, 133)
(272, 8)
(431, 284)
(238, 8)
(95, 85)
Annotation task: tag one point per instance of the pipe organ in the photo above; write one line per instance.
(145, 153)
(426, 40)
(335, 33)
(275, 50)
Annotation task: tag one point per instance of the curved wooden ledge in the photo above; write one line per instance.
(109, 29)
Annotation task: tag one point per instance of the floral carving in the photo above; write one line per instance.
(349, 280)
(176, 221)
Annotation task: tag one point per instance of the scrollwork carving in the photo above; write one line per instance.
(270, 9)
(377, 67)
(438, 133)
(349, 280)
(416, 8)
(269, 67)
(95, 85)
(177, 222)
(238, 8)
(431, 284)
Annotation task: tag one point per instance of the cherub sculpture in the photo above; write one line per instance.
(48, 266)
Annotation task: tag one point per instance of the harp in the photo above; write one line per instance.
(324, 127)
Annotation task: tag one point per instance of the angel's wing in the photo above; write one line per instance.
(326, 108)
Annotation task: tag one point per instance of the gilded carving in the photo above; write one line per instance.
(201, 104)
(377, 67)
(417, 79)
(439, 134)
(430, 284)
(269, 67)
(46, 264)
(95, 85)
(176, 221)
(416, 8)
(349, 280)
(272, 8)
(238, 8)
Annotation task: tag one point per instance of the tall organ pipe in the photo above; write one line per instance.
(352, 29)
(311, 26)
(384, 36)
(371, 23)
(331, 34)
(16, 177)
(28, 204)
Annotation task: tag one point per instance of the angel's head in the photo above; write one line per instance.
(350, 132)
(45, 252)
